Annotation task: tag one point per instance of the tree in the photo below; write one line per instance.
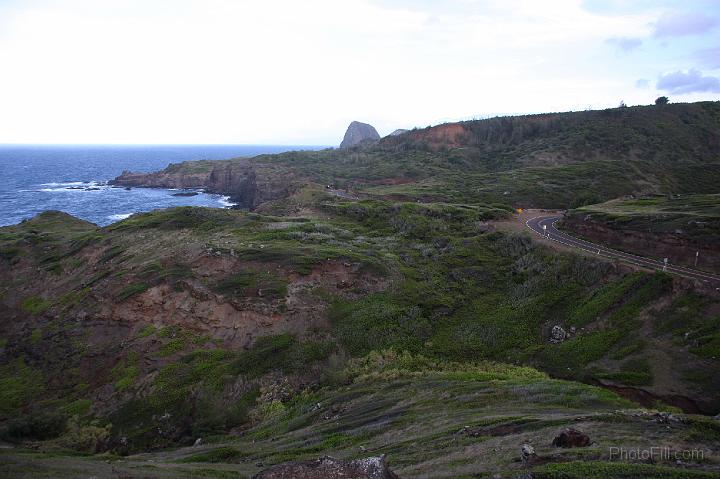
(661, 100)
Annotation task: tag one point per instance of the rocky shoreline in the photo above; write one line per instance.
(244, 182)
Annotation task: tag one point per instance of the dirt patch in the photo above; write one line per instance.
(238, 321)
(450, 135)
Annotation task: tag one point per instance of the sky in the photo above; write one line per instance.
(298, 72)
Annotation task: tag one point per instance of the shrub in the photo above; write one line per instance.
(199, 219)
(148, 330)
(9, 253)
(111, 253)
(34, 426)
(126, 373)
(36, 336)
(269, 411)
(35, 305)
(19, 385)
(379, 321)
(266, 353)
(635, 372)
(77, 408)
(172, 346)
(89, 438)
(391, 363)
(252, 283)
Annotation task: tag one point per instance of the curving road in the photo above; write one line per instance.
(545, 226)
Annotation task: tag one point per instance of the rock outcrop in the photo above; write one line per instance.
(571, 438)
(358, 134)
(246, 183)
(331, 468)
(162, 179)
(398, 132)
(558, 334)
(528, 455)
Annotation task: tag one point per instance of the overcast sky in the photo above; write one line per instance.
(297, 72)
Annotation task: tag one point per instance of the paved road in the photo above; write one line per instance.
(546, 226)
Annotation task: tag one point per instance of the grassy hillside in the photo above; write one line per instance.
(432, 419)
(187, 323)
(696, 216)
(556, 160)
(386, 314)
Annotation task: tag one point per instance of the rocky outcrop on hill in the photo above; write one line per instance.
(358, 134)
(247, 184)
(331, 468)
(398, 132)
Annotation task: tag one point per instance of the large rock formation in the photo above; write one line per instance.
(330, 468)
(358, 134)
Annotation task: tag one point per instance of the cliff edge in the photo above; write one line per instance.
(246, 183)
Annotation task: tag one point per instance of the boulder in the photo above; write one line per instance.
(571, 438)
(358, 134)
(557, 334)
(330, 468)
(527, 454)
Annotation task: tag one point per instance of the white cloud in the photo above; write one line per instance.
(692, 81)
(677, 24)
(282, 71)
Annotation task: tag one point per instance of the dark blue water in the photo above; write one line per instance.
(73, 179)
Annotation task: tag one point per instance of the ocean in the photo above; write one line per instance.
(74, 179)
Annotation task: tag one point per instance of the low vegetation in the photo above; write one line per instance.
(401, 322)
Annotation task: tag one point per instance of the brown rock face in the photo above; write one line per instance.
(330, 468)
(571, 438)
(237, 181)
(448, 135)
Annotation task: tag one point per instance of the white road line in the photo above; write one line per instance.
(610, 253)
(639, 258)
(631, 257)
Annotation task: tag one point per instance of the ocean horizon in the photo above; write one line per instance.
(73, 178)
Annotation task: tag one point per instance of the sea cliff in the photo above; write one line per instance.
(246, 183)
